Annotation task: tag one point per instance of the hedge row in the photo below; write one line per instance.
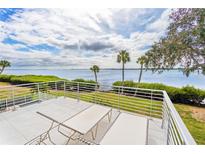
(186, 95)
(83, 80)
(21, 79)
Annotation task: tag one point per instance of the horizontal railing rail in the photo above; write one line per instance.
(177, 132)
(149, 102)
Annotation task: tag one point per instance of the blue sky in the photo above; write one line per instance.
(78, 38)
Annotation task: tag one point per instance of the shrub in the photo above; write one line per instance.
(84, 86)
(192, 95)
(83, 80)
(6, 78)
(187, 94)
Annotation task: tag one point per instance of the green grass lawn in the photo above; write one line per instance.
(194, 124)
(4, 84)
(21, 79)
(128, 103)
(6, 93)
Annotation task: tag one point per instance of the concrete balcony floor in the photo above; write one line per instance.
(24, 125)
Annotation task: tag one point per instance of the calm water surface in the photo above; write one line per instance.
(173, 78)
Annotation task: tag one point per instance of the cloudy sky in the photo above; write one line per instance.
(78, 38)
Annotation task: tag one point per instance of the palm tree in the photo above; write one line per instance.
(123, 57)
(95, 69)
(141, 60)
(3, 65)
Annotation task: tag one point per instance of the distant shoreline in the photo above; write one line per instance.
(86, 69)
(174, 77)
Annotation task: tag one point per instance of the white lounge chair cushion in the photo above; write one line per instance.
(127, 130)
(86, 120)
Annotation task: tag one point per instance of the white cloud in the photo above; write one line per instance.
(160, 24)
(83, 36)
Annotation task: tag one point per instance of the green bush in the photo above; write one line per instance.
(6, 78)
(84, 86)
(186, 95)
(83, 80)
(192, 94)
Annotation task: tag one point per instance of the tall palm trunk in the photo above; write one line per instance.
(96, 79)
(123, 73)
(140, 76)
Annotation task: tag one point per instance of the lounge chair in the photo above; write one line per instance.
(80, 124)
(127, 130)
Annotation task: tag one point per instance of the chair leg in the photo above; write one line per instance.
(49, 137)
(69, 138)
(94, 135)
(46, 135)
(109, 116)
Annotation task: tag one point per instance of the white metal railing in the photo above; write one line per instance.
(148, 102)
(176, 131)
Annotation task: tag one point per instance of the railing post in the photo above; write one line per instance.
(150, 112)
(118, 99)
(168, 128)
(78, 92)
(95, 94)
(13, 97)
(64, 85)
(6, 103)
(56, 86)
(163, 114)
(25, 99)
(122, 90)
(38, 88)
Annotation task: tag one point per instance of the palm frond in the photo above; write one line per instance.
(95, 68)
(119, 59)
